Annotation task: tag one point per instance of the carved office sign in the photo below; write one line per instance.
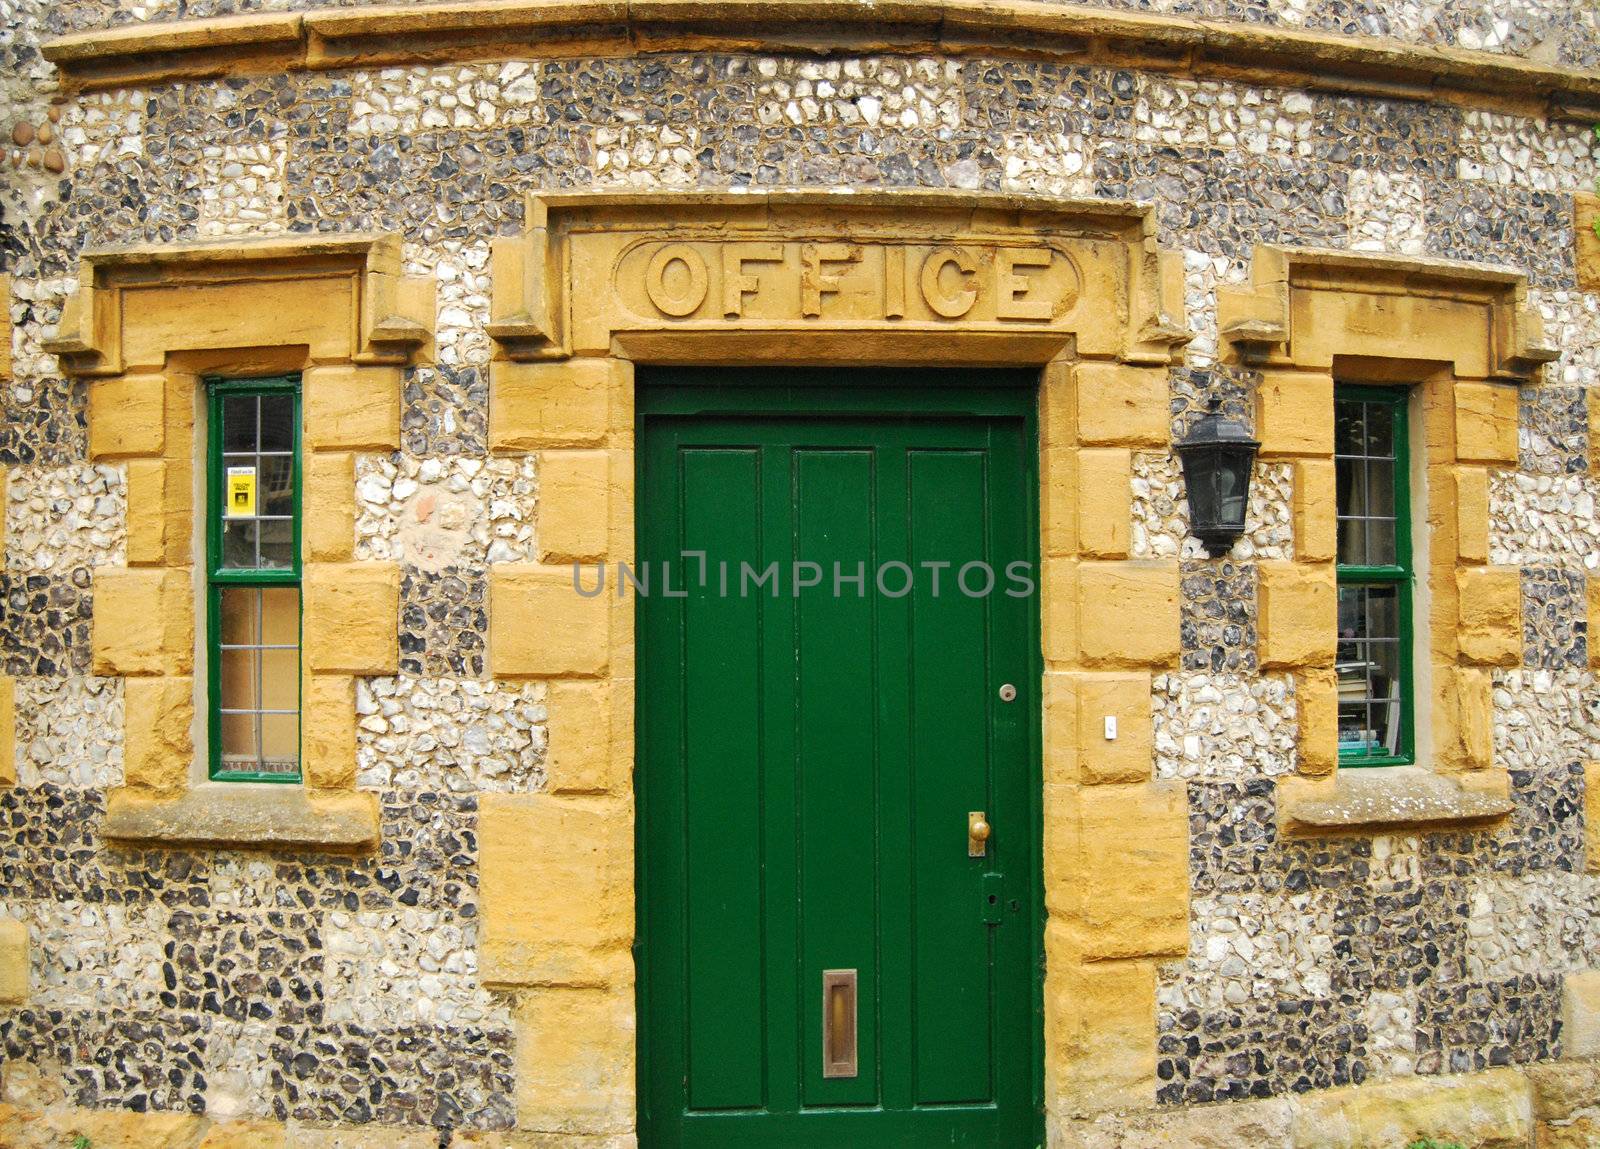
(848, 281)
(643, 275)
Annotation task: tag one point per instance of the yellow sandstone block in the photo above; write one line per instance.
(573, 498)
(1122, 406)
(1059, 585)
(1317, 702)
(1489, 1108)
(575, 1061)
(1591, 825)
(1297, 606)
(1592, 593)
(352, 408)
(1060, 697)
(22, 1128)
(1105, 502)
(1486, 423)
(1315, 526)
(1128, 613)
(1058, 505)
(556, 888)
(1101, 1029)
(1058, 414)
(13, 961)
(1123, 752)
(1472, 514)
(1593, 398)
(328, 731)
(1586, 210)
(588, 754)
(1580, 1008)
(147, 512)
(143, 621)
(1489, 615)
(8, 731)
(127, 416)
(158, 739)
(541, 627)
(351, 618)
(247, 1135)
(1131, 839)
(538, 405)
(5, 327)
(329, 507)
(1462, 718)
(620, 507)
(1294, 414)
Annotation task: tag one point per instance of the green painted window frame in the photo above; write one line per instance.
(218, 577)
(1401, 574)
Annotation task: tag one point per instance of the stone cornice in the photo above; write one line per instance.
(392, 312)
(492, 29)
(1256, 320)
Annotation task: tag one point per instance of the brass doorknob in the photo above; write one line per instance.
(978, 831)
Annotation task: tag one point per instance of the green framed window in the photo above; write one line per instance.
(253, 578)
(1375, 572)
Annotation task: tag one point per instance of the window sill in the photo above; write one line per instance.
(245, 815)
(1382, 799)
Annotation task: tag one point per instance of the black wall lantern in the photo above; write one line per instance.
(1217, 457)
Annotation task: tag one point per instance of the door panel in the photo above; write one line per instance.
(722, 720)
(954, 1007)
(808, 758)
(836, 759)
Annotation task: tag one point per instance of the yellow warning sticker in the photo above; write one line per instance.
(241, 493)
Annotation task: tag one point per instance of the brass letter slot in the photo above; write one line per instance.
(838, 1023)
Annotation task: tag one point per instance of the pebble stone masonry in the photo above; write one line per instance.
(225, 996)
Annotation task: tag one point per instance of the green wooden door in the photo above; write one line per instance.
(813, 740)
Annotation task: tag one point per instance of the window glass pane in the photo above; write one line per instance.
(1380, 430)
(277, 544)
(237, 678)
(280, 615)
(258, 679)
(1366, 478)
(239, 423)
(256, 482)
(277, 422)
(1381, 543)
(239, 544)
(238, 741)
(238, 617)
(280, 679)
(280, 744)
(1350, 480)
(1380, 479)
(1349, 436)
(1369, 667)
(275, 480)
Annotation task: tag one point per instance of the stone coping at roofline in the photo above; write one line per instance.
(489, 29)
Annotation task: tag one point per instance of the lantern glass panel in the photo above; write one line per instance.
(1233, 486)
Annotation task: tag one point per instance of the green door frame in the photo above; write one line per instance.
(889, 392)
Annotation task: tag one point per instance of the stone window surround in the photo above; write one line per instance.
(145, 325)
(1462, 337)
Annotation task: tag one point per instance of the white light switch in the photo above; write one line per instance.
(1111, 727)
